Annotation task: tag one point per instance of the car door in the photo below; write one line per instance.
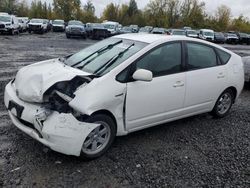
(205, 79)
(150, 103)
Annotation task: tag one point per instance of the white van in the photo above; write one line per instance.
(22, 24)
(112, 27)
(9, 24)
(206, 34)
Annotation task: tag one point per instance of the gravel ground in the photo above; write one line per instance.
(194, 152)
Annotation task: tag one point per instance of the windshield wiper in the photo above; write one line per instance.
(98, 52)
(112, 60)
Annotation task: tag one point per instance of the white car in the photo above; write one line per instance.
(9, 24)
(22, 24)
(112, 27)
(77, 105)
(37, 25)
(206, 34)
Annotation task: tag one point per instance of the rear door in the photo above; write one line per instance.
(206, 79)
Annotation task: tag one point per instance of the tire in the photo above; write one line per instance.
(68, 36)
(12, 32)
(92, 140)
(223, 104)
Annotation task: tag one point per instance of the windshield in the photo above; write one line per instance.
(58, 22)
(109, 26)
(210, 34)
(36, 21)
(89, 60)
(161, 30)
(191, 33)
(219, 34)
(243, 35)
(75, 23)
(144, 29)
(176, 32)
(5, 18)
(126, 29)
(231, 35)
(97, 25)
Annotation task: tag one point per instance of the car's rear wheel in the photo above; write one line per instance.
(100, 139)
(223, 104)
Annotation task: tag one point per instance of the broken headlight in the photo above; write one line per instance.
(60, 94)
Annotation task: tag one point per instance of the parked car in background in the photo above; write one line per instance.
(158, 30)
(145, 30)
(48, 25)
(135, 28)
(112, 27)
(206, 34)
(231, 38)
(126, 29)
(191, 33)
(22, 24)
(77, 105)
(26, 19)
(246, 61)
(58, 26)
(9, 24)
(219, 38)
(243, 38)
(76, 28)
(177, 32)
(187, 28)
(96, 31)
(37, 26)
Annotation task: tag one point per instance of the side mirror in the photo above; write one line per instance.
(143, 75)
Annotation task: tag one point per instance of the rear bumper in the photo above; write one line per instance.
(60, 132)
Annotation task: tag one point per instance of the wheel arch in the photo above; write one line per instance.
(106, 112)
(234, 90)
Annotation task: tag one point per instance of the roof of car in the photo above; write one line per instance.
(148, 38)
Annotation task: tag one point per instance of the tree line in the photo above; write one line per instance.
(157, 13)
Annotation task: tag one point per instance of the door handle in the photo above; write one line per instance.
(221, 75)
(178, 84)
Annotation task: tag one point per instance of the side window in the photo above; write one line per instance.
(224, 56)
(200, 56)
(163, 60)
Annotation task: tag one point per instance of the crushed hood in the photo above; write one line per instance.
(32, 81)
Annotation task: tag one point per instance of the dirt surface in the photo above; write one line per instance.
(195, 152)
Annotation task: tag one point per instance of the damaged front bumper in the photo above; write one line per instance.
(61, 132)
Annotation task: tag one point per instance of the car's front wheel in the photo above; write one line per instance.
(100, 139)
(223, 104)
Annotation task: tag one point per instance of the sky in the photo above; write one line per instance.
(238, 7)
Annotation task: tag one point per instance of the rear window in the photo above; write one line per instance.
(224, 56)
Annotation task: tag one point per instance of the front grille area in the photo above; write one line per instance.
(35, 26)
(76, 29)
